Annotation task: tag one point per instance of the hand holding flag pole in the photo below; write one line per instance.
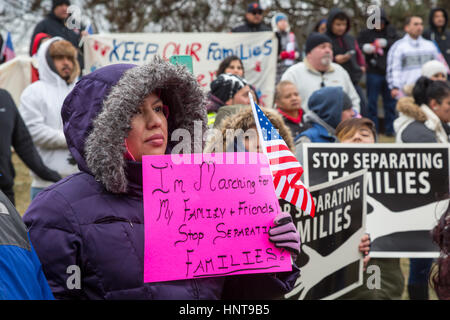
(285, 168)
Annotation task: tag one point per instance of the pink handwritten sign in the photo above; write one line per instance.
(209, 218)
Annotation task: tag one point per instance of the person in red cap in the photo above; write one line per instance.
(253, 20)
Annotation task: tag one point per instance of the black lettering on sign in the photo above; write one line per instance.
(190, 235)
(161, 189)
(198, 184)
(164, 208)
(224, 263)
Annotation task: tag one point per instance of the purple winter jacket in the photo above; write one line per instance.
(95, 220)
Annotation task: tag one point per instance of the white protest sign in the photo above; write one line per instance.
(405, 185)
(330, 262)
(258, 52)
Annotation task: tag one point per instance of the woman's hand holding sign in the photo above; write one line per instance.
(285, 234)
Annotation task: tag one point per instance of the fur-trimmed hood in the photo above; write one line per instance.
(97, 114)
(410, 112)
(409, 108)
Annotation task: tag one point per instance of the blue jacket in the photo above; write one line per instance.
(318, 134)
(21, 275)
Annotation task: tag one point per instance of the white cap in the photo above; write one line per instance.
(433, 67)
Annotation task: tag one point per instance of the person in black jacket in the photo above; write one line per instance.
(253, 20)
(375, 44)
(54, 25)
(346, 51)
(13, 132)
(437, 32)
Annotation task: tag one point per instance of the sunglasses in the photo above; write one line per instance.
(256, 12)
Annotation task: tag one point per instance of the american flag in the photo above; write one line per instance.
(285, 168)
(8, 49)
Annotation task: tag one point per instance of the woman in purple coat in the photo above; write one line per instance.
(92, 223)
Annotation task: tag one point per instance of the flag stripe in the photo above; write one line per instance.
(287, 172)
(285, 166)
(275, 148)
(285, 190)
(295, 196)
(283, 153)
(281, 160)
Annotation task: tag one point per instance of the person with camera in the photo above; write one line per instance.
(346, 51)
(375, 44)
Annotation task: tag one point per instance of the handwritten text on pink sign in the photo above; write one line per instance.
(208, 218)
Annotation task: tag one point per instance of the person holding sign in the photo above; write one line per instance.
(362, 130)
(356, 130)
(88, 230)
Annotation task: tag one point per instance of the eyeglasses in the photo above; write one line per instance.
(256, 13)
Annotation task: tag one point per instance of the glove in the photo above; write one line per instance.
(381, 42)
(287, 55)
(284, 234)
(368, 48)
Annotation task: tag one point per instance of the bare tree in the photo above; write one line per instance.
(114, 16)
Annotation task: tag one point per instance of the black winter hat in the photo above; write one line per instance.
(315, 39)
(56, 3)
(226, 85)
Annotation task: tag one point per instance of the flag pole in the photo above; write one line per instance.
(258, 127)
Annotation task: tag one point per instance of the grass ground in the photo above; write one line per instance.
(22, 184)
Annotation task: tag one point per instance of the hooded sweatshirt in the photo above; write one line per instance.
(325, 114)
(36, 43)
(343, 44)
(95, 219)
(40, 108)
(441, 38)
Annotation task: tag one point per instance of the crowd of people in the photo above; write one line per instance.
(83, 138)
